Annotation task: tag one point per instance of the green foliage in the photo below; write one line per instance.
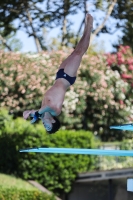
(55, 171)
(13, 42)
(123, 13)
(15, 194)
(8, 181)
(127, 144)
(16, 189)
(4, 119)
(30, 14)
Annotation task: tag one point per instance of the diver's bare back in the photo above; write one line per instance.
(54, 96)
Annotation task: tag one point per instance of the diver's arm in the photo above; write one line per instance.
(53, 111)
(44, 109)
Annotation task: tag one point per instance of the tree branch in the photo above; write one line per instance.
(64, 25)
(34, 33)
(104, 21)
(5, 43)
(25, 25)
(116, 29)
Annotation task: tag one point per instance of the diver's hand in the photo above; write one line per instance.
(31, 113)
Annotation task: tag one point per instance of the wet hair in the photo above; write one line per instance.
(55, 126)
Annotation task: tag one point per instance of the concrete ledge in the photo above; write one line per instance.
(41, 188)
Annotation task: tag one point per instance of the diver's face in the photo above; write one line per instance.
(48, 120)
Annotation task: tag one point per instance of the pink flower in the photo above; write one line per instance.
(111, 58)
(127, 47)
(130, 61)
(123, 49)
(121, 102)
(121, 61)
(126, 76)
(109, 62)
(130, 67)
(119, 55)
(120, 58)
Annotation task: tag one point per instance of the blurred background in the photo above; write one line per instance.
(35, 37)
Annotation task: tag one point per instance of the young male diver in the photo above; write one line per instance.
(53, 98)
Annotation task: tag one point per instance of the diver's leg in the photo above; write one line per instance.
(72, 62)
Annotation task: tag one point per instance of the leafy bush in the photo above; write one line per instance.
(127, 144)
(55, 171)
(15, 194)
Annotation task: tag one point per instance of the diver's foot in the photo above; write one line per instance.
(89, 20)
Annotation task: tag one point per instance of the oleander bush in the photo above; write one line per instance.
(101, 96)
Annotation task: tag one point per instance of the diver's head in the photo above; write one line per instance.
(51, 123)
